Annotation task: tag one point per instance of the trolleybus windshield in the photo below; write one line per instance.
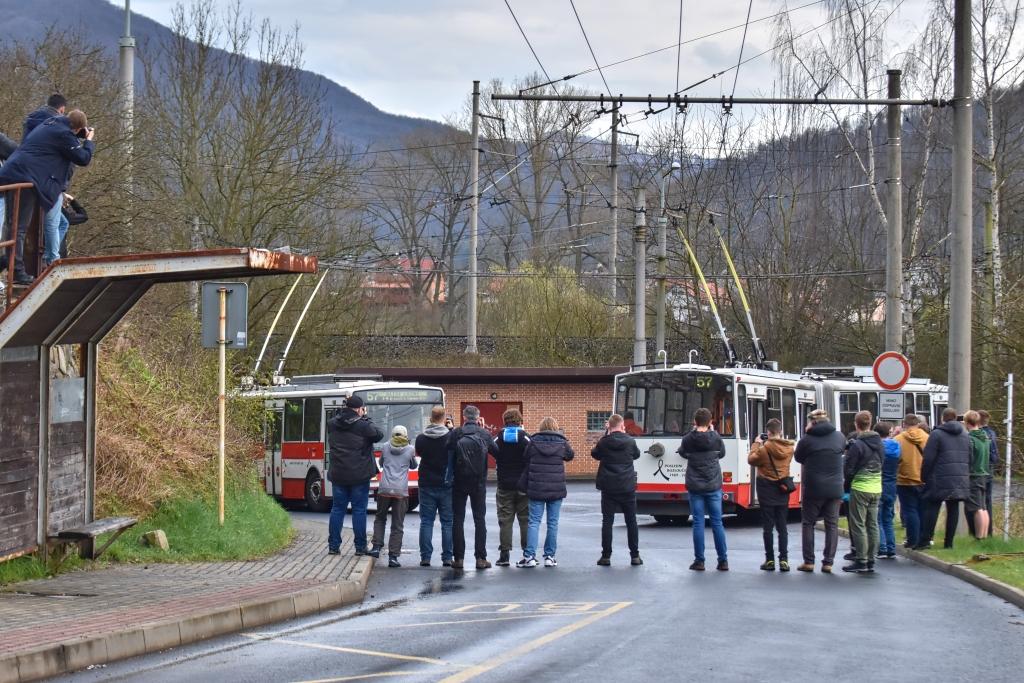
(407, 407)
(663, 403)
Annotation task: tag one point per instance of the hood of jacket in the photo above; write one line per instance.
(434, 431)
(872, 440)
(953, 427)
(700, 441)
(915, 435)
(892, 448)
(618, 441)
(346, 418)
(549, 443)
(821, 429)
(778, 447)
(979, 437)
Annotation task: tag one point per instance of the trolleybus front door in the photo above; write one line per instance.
(273, 427)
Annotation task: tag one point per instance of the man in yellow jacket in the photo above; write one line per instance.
(908, 478)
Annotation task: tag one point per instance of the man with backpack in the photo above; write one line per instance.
(469, 446)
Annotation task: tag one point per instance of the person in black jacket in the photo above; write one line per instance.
(616, 479)
(702, 448)
(543, 480)
(435, 488)
(512, 503)
(945, 471)
(44, 159)
(469, 446)
(351, 436)
(56, 105)
(820, 454)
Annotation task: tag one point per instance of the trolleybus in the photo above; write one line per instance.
(296, 454)
(659, 403)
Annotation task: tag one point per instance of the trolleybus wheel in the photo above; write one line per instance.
(315, 499)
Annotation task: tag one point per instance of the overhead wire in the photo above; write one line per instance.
(591, 48)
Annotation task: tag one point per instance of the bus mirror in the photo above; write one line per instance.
(657, 450)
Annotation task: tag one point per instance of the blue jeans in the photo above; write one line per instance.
(910, 512)
(887, 534)
(537, 508)
(359, 496)
(55, 227)
(436, 501)
(708, 504)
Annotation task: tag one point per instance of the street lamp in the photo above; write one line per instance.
(659, 333)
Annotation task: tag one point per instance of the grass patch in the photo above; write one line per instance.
(23, 568)
(254, 526)
(1002, 566)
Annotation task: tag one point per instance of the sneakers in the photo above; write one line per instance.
(826, 568)
(850, 556)
(768, 566)
(503, 560)
(723, 566)
(857, 566)
(527, 562)
(871, 568)
(697, 566)
(374, 551)
(456, 564)
(446, 563)
(482, 563)
(550, 561)
(362, 551)
(783, 565)
(636, 561)
(333, 551)
(887, 555)
(393, 562)
(424, 563)
(605, 561)
(808, 567)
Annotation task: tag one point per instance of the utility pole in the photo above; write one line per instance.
(474, 211)
(894, 209)
(659, 326)
(613, 268)
(640, 272)
(960, 275)
(126, 86)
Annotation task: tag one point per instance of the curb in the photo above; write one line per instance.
(73, 655)
(1014, 596)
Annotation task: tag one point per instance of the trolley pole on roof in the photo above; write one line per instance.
(640, 273)
(960, 213)
(894, 235)
(474, 211)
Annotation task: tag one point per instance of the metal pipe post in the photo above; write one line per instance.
(659, 324)
(474, 214)
(613, 255)
(222, 345)
(1009, 457)
(894, 211)
(126, 85)
(640, 272)
(960, 316)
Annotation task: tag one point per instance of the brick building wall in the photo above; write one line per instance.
(567, 403)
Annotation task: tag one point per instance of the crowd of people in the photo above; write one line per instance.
(870, 470)
(53, 141)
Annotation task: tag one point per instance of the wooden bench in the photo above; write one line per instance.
(86, 535)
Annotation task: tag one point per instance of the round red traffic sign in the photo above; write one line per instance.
(891, 370)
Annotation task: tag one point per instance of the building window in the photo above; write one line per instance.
(596, 420)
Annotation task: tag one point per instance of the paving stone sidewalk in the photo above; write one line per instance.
(68, 622)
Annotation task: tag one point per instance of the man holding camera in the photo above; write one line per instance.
(772, 454)
(44, 159)
(351, 437)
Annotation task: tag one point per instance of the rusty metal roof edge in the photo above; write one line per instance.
(262, 259)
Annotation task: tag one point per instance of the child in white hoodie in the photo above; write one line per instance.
(397, 458)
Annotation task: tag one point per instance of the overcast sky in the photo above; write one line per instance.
(419, 57)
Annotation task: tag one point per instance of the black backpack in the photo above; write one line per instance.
(470, 458)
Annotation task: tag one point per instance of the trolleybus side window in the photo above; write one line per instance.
(774, 405)
(848, 407)
(789, 413)
(741, 392)
(272, 430)
(869, 402)
(923, 407)
(293, 419)
(311, 421)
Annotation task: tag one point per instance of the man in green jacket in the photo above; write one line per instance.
(862, 475)
(980, 474)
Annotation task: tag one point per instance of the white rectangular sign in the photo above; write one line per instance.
(891, 406)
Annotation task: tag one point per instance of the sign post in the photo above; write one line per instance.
(1009, 457)
(230, 325)
(891, 370)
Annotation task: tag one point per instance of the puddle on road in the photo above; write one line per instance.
(441, 585)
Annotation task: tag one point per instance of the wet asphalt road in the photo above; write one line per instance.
(583, 622)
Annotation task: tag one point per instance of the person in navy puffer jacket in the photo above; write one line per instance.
(543, 480)
(887, 504)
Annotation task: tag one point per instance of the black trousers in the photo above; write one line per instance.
(26, 211)
(477, 496)
(773, 517)
(930, 517)
(626, 504)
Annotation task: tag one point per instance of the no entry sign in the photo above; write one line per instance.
(891, 370)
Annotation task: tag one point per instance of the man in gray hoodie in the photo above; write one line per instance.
(396, 459)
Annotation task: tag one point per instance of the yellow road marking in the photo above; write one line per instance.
(358, 651)
(526, 648)
(359, 677)
(506, 606)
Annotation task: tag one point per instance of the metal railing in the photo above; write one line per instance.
(13, 194)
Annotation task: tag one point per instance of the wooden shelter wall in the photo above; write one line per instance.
(19, 449)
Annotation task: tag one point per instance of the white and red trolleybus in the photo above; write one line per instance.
(296, 455)
(658, 404)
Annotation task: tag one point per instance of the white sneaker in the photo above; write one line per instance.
(527, 562)
(550, 561)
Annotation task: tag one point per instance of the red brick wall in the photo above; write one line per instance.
(567, 403)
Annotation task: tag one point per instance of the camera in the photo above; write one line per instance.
(763, 436)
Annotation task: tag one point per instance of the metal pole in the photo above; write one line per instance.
(659, 324)
(960, 213)
(640, 284)
(613, 254)
(222, 341)
(474, 212)
(894, 209)
(1009, 457)
(126, 85)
